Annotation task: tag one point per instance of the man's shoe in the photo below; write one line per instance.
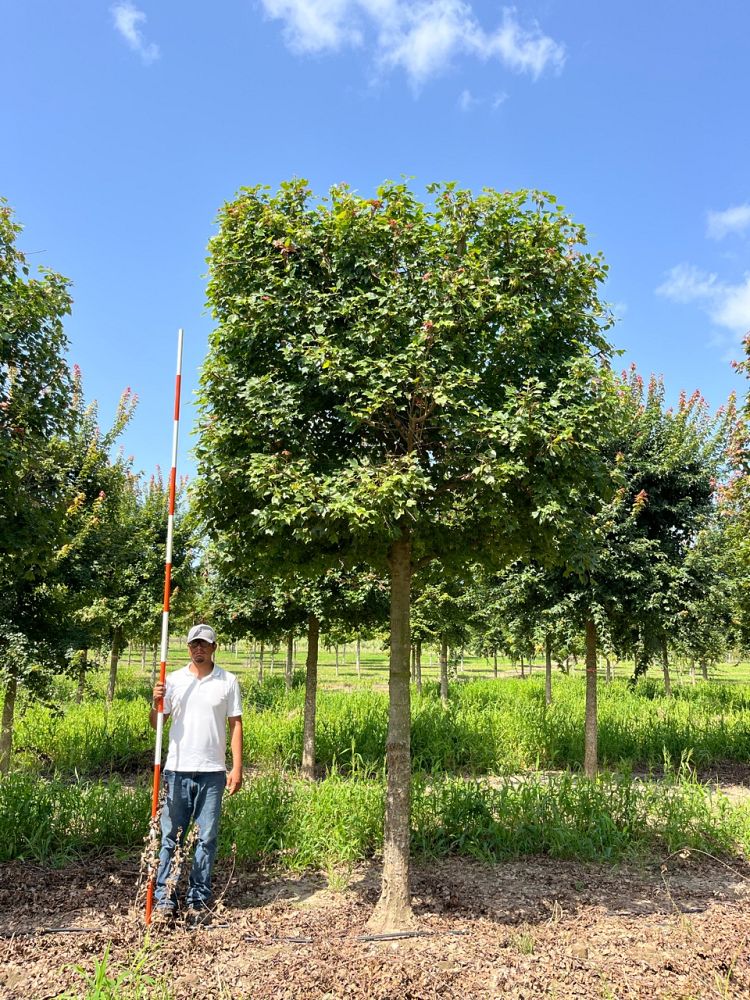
(195, 917)
(162, 916)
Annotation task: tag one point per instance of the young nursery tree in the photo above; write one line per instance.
(35, 390)
(393, 382)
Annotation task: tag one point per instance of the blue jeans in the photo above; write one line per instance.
(196, 796)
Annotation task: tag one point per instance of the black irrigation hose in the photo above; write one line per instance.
(38, 931)
(392, 936)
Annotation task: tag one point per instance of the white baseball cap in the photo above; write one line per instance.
(202, 632)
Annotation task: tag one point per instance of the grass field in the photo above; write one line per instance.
(243, 659)
(496, 771)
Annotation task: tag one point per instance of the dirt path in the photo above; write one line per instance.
(531, 928)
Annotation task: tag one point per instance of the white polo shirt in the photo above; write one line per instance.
(199, 709)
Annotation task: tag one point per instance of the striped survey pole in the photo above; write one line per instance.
(165, 617)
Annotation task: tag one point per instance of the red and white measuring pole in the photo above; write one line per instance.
(165, 614)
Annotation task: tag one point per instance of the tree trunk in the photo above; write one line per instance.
(114, 658)
(608, 674)
(704, 670)
(289, 670)
(548, 670)
(311, 688)
(336, 650)
(413, 663)
(260, 661)
(252, 656)
(359, 657)
(522, 673)
(418, 663)
(82, 676)
(494, 660)
(274, 647)
(665, 669)
(590, 762)
(393, 911)
(444, 670)
(6, 728)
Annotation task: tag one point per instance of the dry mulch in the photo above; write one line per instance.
(531, 928)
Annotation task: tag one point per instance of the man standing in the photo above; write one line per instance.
(200, 699)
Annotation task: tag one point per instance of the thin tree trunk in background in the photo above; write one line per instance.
(393, 911)
(130, 653)
(6, 727)
(273, 650)
(494, 660)
(704, 670)
(289, 671)
(522, 673)
(114, 659)
(444, 670)
(311, 688)
(252, 655)
(462, 660)
(82, 676)
(359, 657)
(336, 650)
(665, 669)
(609, 670)
(418, 663)
(260, 661)
(548, 670)
(590, 757)
(413, 663)
(143, 658)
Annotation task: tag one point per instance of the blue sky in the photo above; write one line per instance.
(125, 125)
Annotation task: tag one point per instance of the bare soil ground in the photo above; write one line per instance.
(531, 928)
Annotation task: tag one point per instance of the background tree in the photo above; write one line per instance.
(35, 398)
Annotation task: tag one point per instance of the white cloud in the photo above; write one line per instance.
(467, 101)
(732, 309)
(422, 37)
(498, 100)
(315, 25)
(127, 20)
(686, 283)
(731, 220)
(728, 305)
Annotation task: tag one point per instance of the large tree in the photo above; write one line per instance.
(399, 382)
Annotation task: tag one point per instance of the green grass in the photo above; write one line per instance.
(298, 824)
(131, 982)
(56, 821)
(488, 727)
